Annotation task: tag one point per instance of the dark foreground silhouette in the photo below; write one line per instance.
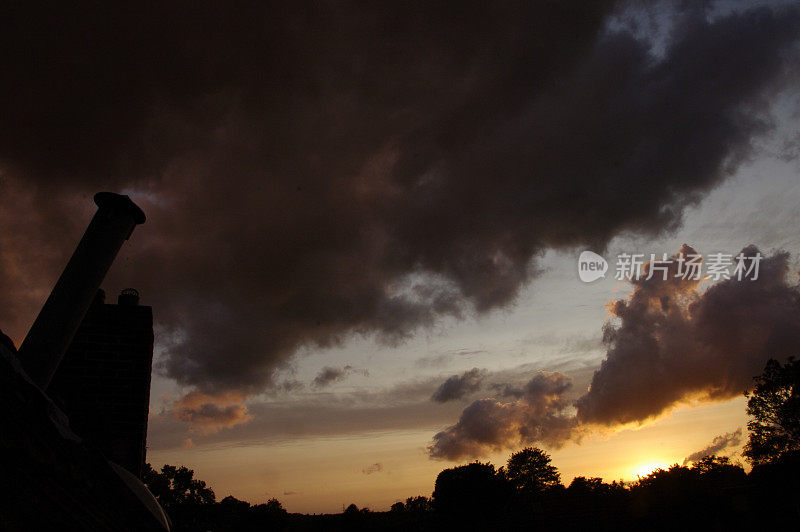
(527, 493)
(713, 494)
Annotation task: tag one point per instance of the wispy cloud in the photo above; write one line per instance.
(458, 386)
(328, 375)
(723, 442)
(377, 467)
(441, 359)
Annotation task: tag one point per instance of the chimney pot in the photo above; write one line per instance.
(128, 297)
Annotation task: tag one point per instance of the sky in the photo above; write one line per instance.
(364, 224)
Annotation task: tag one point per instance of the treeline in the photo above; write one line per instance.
(713, 493)
(192, 506)
(527, 493)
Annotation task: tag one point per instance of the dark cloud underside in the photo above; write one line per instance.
(311, 172)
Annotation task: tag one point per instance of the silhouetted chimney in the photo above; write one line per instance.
(103, 382)
(52, 332)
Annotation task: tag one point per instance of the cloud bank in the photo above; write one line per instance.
(309, 174)
(669, 342)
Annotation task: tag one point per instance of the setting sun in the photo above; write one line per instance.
(645, 468)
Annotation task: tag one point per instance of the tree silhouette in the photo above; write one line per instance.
(529, 470)
(719, 469)
(470, 491)
(583, 485)
(417, 504)
(351, 510)
(774, 443)
(273, 507)
(176, 485)
(774, 406)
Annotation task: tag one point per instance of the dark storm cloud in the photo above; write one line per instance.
(311, 173)
(668, 343)
(720, 443)
(457, 386)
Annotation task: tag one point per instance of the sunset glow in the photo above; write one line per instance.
(644, 469)
(357, 255)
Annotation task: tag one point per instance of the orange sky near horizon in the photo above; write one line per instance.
(320, 475)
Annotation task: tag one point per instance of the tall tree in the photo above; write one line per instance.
(530, 470)
(774, 408)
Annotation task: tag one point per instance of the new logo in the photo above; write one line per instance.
(591, 266)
